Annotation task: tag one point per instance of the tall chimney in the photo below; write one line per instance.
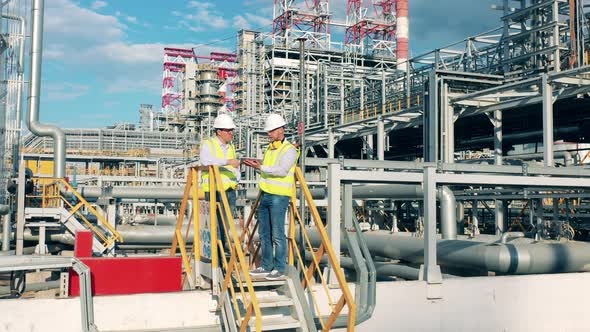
(402, 34)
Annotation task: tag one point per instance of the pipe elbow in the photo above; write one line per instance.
(510, 235)
(448, 206)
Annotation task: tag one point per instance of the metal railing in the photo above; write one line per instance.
(51, 197)
(33, 263)
(235, 272)
(313, 268)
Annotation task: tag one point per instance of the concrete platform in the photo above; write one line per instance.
(182, 311)
(555, 302)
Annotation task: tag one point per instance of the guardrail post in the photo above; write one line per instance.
(334, 213)
(430, 271)
(86, 301)
(20, 214)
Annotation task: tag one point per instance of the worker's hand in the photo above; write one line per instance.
(254, 163)
(233, 162)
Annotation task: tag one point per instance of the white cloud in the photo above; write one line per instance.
(125, 85)
(202, 15)
(131, 19)
(65, 91)
(96, 5)
(251, 21)
(200, 4)
(67, 22)
(240, 22)
(124, 53)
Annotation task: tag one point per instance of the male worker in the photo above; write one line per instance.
(219, 151)
(277, 183)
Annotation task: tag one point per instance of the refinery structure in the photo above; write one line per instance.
(448, 191)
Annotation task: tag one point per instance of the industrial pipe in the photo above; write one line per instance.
(145, 192)
(448, 204)
(448, 213)
(34, 287)
(159, 193)
(384, 269)
(567, 156)
(6, 226)
(510, 235)
(37, 128)
(512, 258)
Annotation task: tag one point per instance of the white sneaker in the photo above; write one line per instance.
(274, 275)
(259, 272)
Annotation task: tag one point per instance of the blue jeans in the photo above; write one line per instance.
(231, 199)
(271, 229)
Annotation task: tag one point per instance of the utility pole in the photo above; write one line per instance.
(301, 127)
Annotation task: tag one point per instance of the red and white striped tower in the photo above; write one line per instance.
(309, 19)
(402, 33)
(371, 32)
(227, 71)
(173, 76)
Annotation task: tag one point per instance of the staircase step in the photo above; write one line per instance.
(264, 282)
(276, 323)
(273, 301)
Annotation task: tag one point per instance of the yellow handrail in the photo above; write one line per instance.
(325, 248)
(191, 192)
(51, 197)
(236, 270)
(346, 297)
(236, 251)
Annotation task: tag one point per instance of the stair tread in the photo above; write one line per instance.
(264, 282)
(277, 323)
(274, 301)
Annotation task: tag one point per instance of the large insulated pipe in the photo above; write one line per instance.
(448, 204)
(159, 192)
(516, 257)
(567, 156)
(133, 235)
(37, 128)
(147, 192)
(402, 33)
(383, 269)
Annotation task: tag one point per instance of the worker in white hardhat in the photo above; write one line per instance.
(277, 183)
(219, 150)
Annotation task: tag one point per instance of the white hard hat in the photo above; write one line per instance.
(273, 122)
(224, 121)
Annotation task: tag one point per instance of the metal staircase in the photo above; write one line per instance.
(282, 304)
(48, 208)
(249, 304)
(57, 217)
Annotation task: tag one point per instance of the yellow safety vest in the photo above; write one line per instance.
(277, 185)
(228, 175)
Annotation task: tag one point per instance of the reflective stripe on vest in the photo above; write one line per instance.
(228, 176)
(277, 185)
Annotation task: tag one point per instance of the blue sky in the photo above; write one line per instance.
(104, 58)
